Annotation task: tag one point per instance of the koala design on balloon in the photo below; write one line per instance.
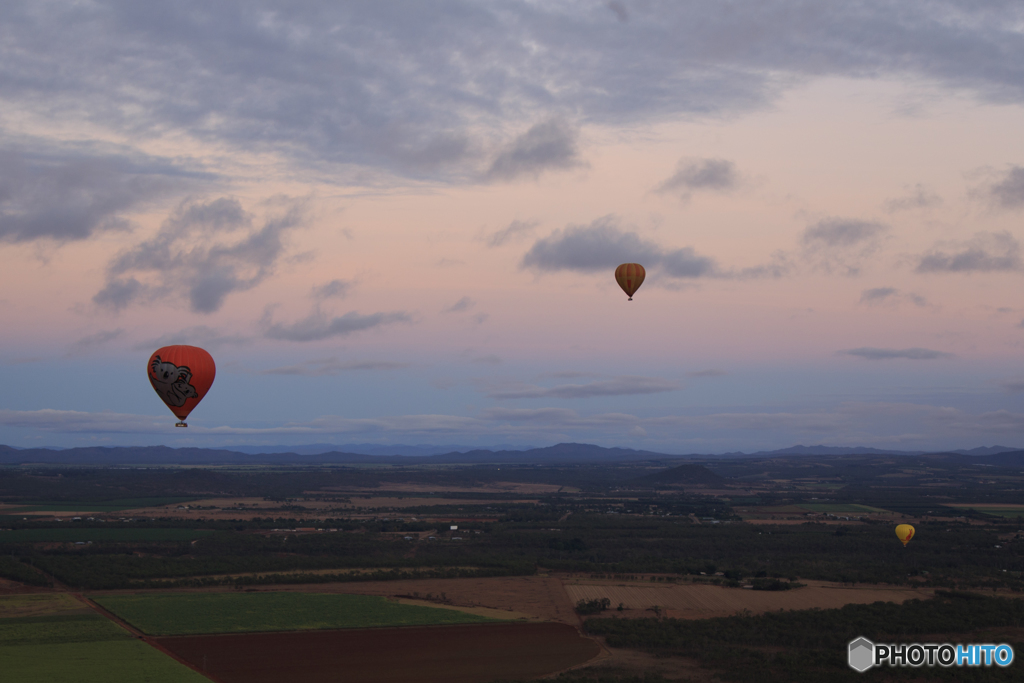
(172, 382)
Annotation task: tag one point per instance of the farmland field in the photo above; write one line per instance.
(56, 639)
(119, 661)
(1011, 511)
(72, 534)
(451, 654)
(697, 601)
(201, 613)
(839, 507)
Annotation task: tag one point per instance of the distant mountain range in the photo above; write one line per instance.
(371, 449)
(568, 453)
(160, 455)
(861, 450)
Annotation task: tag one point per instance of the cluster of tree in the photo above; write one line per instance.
(810, 645)
(15, 570)
(595, 606)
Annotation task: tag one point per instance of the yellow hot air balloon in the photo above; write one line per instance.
(905, 532)
(630, 276)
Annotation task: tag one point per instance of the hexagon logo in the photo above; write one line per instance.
(861, 654)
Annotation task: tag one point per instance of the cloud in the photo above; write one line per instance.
(569, 374)
(700, 174)
(463, 304)
(890, 295)
(707, 373)
(984, 253)
(1009, 192)
(67, 194)
(840, 233)
(918, 197)
(550, 145)
(513, 231)
(73, 421)
(487, 359)
(206, 250)
(1014, 387)
(917, 353)
(841, 244)
(602, 245)
(419, 93)
(619, 9)
(550, 415)
(198, 335)
(328, 367)
(87, 343)
(335, 289)
(319, 326)
(877, 295)
(619, 386)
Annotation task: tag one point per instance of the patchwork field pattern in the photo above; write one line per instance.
(205, 613)
(56, 639)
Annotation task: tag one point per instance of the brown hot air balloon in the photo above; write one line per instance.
(181, 376)
(630, 276)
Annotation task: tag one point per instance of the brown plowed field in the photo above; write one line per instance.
(697, 601)
(448, 654)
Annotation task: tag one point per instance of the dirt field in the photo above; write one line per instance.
(447, 654)
(518, 597)
(8, 587)
(697, 601)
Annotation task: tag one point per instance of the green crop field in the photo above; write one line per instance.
(838, 507)
(72, 534)
(117, 661)
(61, 628)
(65, 642)
(195, 613)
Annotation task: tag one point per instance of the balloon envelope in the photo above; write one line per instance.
(181, 376)
(630, 276)
(905, 532)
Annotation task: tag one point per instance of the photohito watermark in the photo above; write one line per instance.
(863, 654)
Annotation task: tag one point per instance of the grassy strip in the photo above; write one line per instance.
(196, 613)
(111, 661)
(63, 628)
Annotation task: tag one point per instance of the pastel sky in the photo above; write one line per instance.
(398, 222)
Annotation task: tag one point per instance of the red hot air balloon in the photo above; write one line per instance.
(630, 276)
(181, 376)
